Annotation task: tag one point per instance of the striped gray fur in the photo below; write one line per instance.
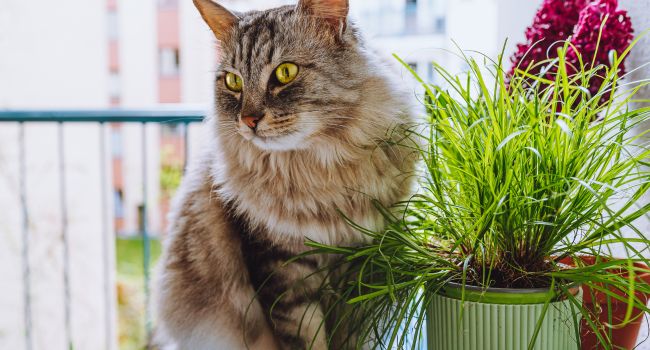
(325, 141)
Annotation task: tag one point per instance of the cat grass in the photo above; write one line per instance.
(518, 172)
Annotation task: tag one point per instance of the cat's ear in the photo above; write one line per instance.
(218, 18)
(333, 12)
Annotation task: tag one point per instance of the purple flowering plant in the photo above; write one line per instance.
(594, 30)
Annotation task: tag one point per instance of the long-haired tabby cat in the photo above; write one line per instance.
(307, 124)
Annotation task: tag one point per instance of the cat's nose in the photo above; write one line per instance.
(251, 120)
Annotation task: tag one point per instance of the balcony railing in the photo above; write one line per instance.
(25, 119)
(103, 118)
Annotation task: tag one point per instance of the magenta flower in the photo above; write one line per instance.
(579, 22)
(616, 36)
(554, 22)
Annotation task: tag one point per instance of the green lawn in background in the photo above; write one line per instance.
(129, 256)
(130, 290)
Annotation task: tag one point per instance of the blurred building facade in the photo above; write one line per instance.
(166, 82)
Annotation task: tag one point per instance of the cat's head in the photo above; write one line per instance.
(287, 76)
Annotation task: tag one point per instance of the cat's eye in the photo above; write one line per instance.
(286, 72)
(234, 82)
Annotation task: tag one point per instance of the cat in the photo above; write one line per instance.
(309, 124)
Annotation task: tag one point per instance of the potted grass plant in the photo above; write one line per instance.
(523, 176)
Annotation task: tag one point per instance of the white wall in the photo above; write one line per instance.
(46, 44)
(473, 24)
(198, 68)
(638, 66)
(638, 69)
(485, 25)
(198, 57)
(138, 52)
(514, 16)
(52, 56)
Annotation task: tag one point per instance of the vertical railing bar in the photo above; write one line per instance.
(186, 146)
(106, 239)
(64, 237)
(146, 249)
(27, 288)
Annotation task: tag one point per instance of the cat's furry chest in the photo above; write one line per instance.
(289, 196)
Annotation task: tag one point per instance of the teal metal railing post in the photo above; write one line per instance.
(64, 238)
(106, 243)
(186, 146)
(146, 245)
(27, 286)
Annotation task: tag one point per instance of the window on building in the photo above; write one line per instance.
(411, 19)
(116, 142)
(167, 3)
(141, 216)
(113, 25)
(114, 89)
(431, 71)
(171, 129)
(118, 199)
(440, 25)
(169, 62)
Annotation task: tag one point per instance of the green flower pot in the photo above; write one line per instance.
(499, 319)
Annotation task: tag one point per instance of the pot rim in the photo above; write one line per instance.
(506, 296)
(499, 290)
